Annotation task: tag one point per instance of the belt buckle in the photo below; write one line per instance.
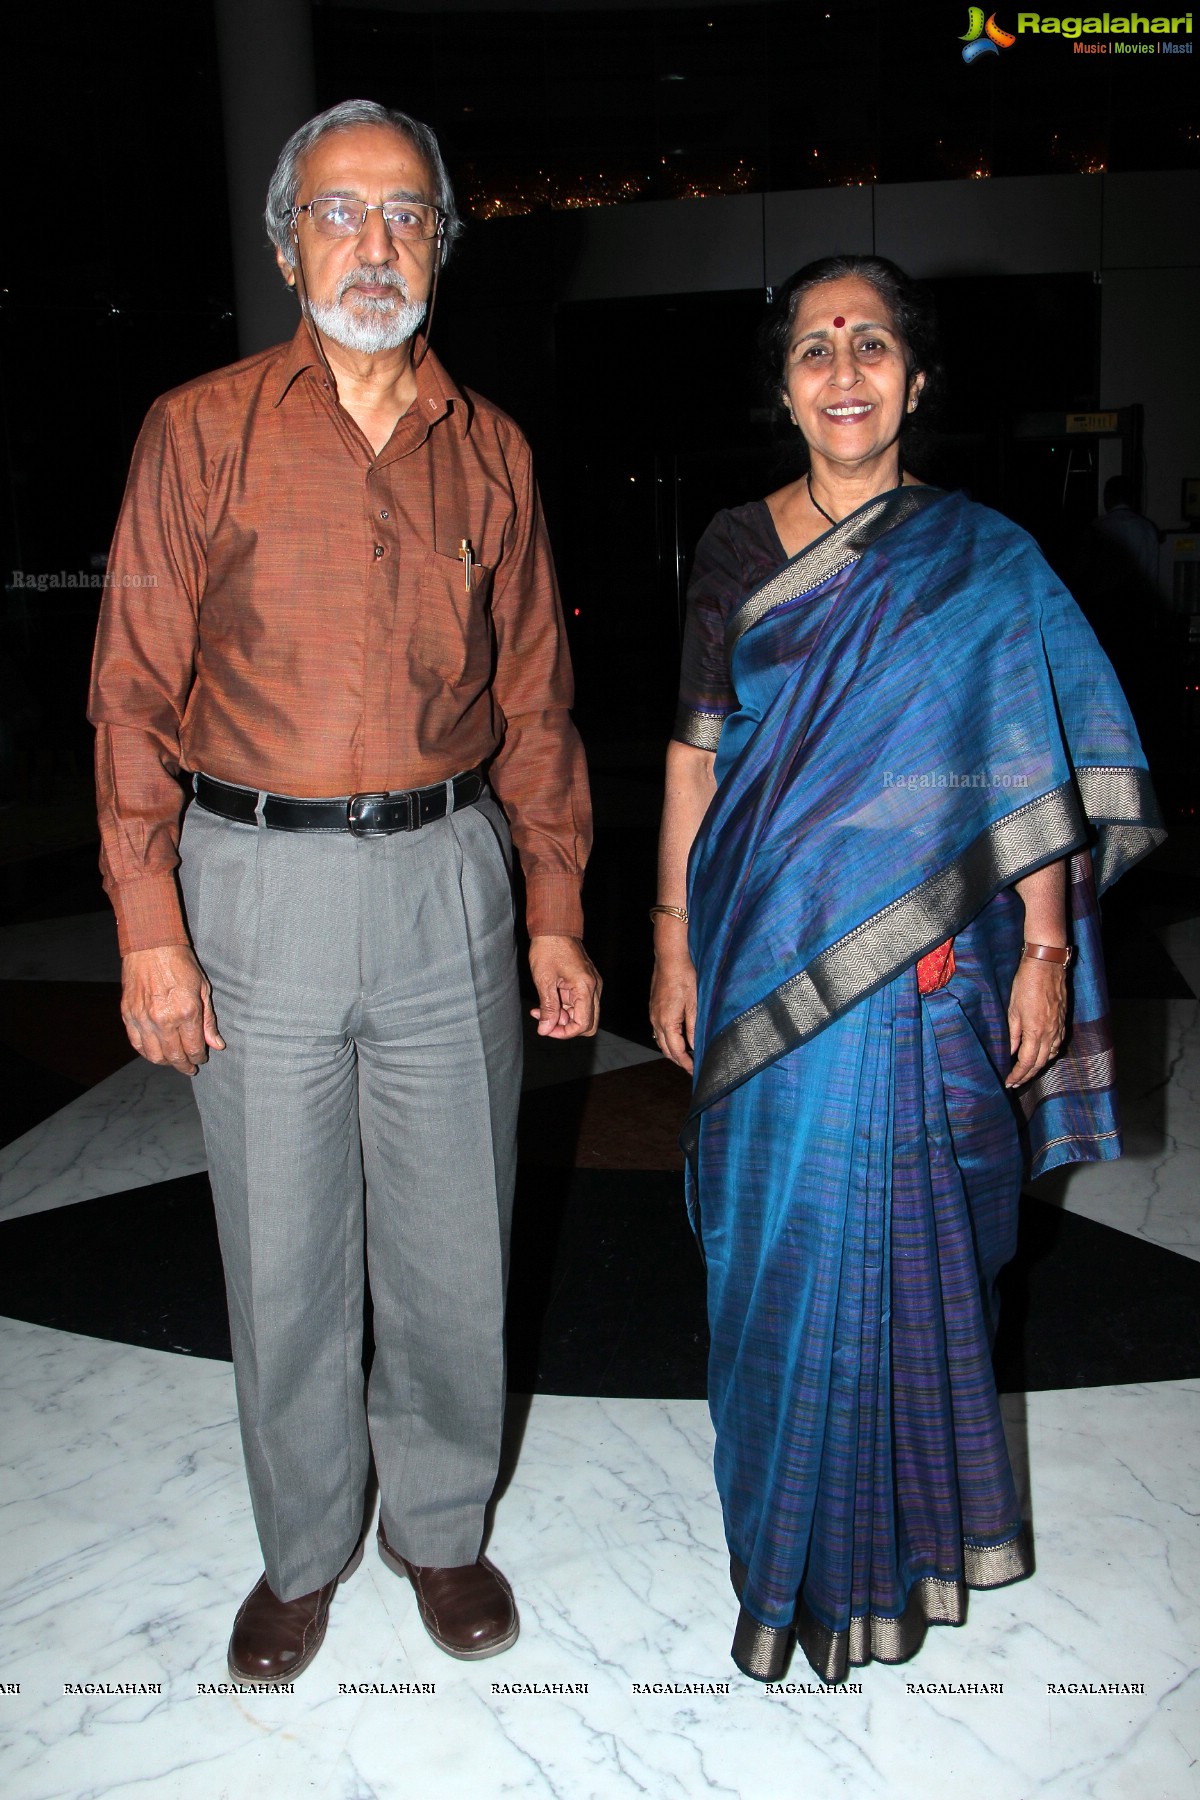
(353, 819)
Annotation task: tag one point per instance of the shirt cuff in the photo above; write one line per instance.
(149, 915)
(553, 907)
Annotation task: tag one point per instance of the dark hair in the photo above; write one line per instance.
(1120, 490)
(909, 304)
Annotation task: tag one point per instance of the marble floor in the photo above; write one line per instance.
(127, 1534)
(128, 1540)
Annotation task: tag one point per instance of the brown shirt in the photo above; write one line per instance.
(287, 610)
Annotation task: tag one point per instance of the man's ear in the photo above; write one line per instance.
(286, 269)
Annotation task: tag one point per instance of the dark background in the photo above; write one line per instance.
(645, 415)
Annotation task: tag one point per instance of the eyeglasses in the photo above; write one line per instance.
(335, 216)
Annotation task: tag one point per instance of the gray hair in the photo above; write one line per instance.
(284, 190)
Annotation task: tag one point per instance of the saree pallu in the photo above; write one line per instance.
(924, 717)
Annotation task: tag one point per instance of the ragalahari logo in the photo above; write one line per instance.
(983, 38)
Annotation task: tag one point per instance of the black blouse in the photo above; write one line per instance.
(736, 554)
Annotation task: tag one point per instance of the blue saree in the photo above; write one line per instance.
(922, 717)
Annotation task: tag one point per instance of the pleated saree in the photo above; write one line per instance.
(914, 715)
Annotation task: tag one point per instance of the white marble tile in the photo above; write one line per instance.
(1153, 1191)
(128, 1546)
(140, 1125)
(80, 948)
(571, 1059)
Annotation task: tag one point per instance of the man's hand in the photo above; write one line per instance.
(166, 1003)
(568, 988)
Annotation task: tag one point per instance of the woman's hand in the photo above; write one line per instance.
(1037, 1017)
(690, 787)
(673, 1003)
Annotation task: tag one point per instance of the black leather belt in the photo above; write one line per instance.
(363, 815)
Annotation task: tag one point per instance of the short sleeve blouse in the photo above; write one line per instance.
(736, 554)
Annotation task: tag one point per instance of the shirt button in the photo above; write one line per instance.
(385, 514)
(379, 550)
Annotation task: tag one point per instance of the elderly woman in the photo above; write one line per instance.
(901, 771)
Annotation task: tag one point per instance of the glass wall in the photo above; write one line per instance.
(566, 106)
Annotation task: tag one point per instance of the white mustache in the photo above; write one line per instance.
(365, 279)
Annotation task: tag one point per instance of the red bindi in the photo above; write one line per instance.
(839, 321)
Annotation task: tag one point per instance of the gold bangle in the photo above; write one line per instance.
(670, 912)
(1051, 953)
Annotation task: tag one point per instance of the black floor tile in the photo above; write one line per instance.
(141, 1267)
(29, 1093)
(607, 1293)
(607, 1289)
(1084, 1305)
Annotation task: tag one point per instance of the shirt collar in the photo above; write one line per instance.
(437, 392)
(297, 356)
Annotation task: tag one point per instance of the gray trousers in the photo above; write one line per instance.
(366, 991)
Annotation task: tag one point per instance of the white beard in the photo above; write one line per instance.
(372, 322)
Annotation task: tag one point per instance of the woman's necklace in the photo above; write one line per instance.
(817, 503)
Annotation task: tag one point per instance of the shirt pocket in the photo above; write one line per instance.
(454, 626)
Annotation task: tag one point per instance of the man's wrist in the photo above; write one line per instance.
(553, 903)
(149, 915)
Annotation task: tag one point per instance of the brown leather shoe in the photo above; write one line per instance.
(275, 1640)
(469, 1611)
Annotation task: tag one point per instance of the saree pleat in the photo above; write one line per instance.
(860, 1452)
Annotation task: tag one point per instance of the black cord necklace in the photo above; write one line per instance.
(817, 503)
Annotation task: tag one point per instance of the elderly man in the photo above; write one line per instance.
(352, 642)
